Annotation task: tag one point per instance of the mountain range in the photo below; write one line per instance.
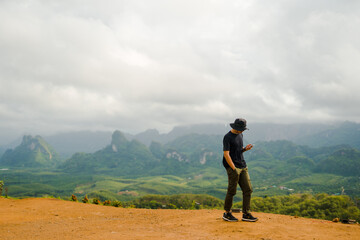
(124, 167)
(315, 135)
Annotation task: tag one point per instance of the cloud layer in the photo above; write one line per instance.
(133, 65)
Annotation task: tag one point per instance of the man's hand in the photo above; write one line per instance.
(248, 147)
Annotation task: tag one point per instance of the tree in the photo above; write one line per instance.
(1, 187)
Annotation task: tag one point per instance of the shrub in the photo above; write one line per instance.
(96, 201)
(170, 206)
(85, 199)
(178, 201)
(1, 187)
(73, 198)
(195, 205)
(107, 203)
(321, 206)
(116, 204)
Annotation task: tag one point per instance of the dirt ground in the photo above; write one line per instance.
(56, 219)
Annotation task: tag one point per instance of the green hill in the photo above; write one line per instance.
(32, 152)
(345, 162)
(345, 133)
(120, 158)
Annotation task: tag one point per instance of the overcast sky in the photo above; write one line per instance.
(133, 65)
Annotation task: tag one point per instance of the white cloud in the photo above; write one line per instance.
(133, 65)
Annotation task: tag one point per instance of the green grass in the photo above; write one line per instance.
(318, 179)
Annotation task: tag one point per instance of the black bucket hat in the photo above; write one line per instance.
(239, 124)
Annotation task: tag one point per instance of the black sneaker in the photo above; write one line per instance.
(229, 217)
(249, 218)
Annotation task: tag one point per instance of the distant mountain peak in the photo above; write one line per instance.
(36, 142)
(32, 152)
(118, 139)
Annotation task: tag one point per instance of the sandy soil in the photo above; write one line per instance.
(57, 219)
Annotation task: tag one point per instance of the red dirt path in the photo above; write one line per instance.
(56, 219)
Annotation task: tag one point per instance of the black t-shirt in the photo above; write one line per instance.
(234, 143)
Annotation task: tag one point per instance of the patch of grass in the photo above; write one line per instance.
(318, 179)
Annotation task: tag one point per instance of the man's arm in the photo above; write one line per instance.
(229, 160)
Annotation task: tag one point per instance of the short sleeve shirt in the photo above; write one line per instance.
(234, 143)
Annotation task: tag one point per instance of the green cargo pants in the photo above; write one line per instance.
(243, 179)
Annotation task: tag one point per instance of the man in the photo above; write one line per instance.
(234, 162)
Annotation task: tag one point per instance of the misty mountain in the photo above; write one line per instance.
(148, 136)
(32, 152)
(315, 135)
(345, 133)
(2, 150)
(256, 132)
(120, 157)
